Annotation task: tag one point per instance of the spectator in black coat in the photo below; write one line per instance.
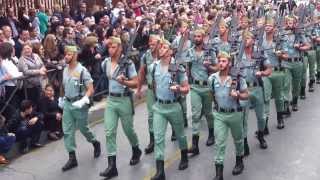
(6, 141)
(4, 21)
(82, 13)
(52, 114)
(13, 23)
(24, 38)
(26, 124)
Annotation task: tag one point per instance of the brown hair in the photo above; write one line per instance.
(50, 46)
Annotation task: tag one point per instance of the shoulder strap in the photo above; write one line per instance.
(81, 81)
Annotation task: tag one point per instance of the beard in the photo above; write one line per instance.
(198, 43)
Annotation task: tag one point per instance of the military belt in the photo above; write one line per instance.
(166, 101)
(294, 60)
(150, 86)
(229, 110)
(201, 83)
(279, 69)
(252, 84)
(74, 99)
(119, 94)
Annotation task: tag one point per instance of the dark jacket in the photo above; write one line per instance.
(17, 120)
(49, 108)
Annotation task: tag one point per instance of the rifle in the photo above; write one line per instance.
(233, 34)
(214, 32)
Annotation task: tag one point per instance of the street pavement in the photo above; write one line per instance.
(293, 153)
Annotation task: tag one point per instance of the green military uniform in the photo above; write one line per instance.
(201, 97)
(74, 117)
(228, 115)
(294, 65)
(118, 106)
(147, 59)
(308, 59)
(274, 84)
(166, 109)
(317, 48)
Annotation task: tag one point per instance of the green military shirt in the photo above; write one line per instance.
(71, 81)
(147, 59)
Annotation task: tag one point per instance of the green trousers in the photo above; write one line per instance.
(162, 114)
(150, 102)
(72, 119)
(274, 87)
(296, 72)
(118, 108)
(222, 123)
(308, 61)
(318, 58)
(256, 100)
(183, 102)
(287, 86)
(201, 104)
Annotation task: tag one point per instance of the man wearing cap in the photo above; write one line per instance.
(200, 66)
(148, 58)
(228, 113)
(273, 84)
(253, 74)
(170, 81)
(290, 54)
(119, 105)
(77, 88)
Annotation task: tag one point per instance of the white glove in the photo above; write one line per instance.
(61, 102)
(80, 103)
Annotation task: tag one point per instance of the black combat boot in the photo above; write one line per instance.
(184, 160)
(280, 120)
(262, 141)
(185, 120)
(303, 92)
(311, 85)
(266, 129)
(194, 150)
(219, 172)
(295, 104)
(149, 149)
(246, 147)
(160, 175)
(71, 163)
(210, 140)
(318, 77)
(136, 154)
(238, 168)
(111, 170)
(173, 136)
(97, 149)
(287, 111)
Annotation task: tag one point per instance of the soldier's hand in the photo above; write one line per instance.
(258, 73)
(175, 88)
(278, 53)
(234, 94)
(297, 46)
(121, 78)
(206, 63)
(139, 94)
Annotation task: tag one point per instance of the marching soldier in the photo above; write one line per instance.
(200, 66)
(170, 80)
(228, 113)
(148, 58)
(255, 86)
(274, 84)
(77, 88)
(119, 105)
(292, 45)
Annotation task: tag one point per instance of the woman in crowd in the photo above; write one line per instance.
(52, 114)
(31, 64)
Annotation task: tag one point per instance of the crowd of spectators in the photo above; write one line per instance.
(32, 44)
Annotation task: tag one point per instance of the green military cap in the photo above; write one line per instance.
(115, 40)
(200, 31)
(247, 34)
(269, 21)
(70, 48)
(165, 42)
(155, 36)
(224, 54)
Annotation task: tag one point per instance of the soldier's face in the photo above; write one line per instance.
(198, 38)
(290, 23)
(222, 29)
(68, 57)
(113, 48)
(223, 63)
(164, 51)
(153, 44)
(249, 41)
(269, 28)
